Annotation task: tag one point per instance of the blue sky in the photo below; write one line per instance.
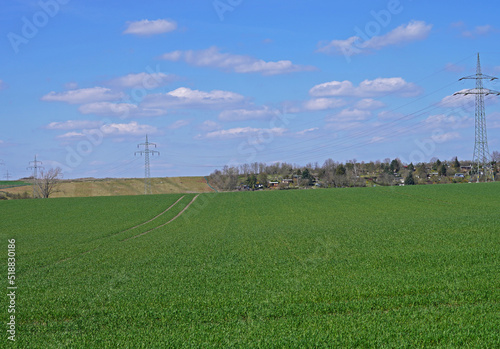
(227, 82)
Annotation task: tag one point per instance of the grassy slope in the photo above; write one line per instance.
(404, 266)
(127, 186)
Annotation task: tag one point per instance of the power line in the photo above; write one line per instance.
(481, 158)
(146, 152)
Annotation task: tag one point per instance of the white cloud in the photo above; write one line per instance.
(244, 132)
(184, 97)
(209, 125)
(349, 115)
(323, 104)
(123, 110)
(248, 114)
(74, 125)
(178, 124)
(480, 30)
(84, 95)
(72, 134)
(132, 128)
(454, 68)
(460, 100)
(303, 132)
(367, 88)
(142, 80)
(369, 104)
(447, 121)
(114, 129)
(71, 85)
(445, 137)
(413, 31)
(211, 57)
(389, 115)
(147, 27)
(377, 139)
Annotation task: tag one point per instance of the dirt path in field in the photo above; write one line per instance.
(173, 219)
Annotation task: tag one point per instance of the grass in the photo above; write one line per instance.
(363, 267)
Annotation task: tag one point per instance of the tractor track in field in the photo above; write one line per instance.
(173, 219)
(136, 226)
(152, 219)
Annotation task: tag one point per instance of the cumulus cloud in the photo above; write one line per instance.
(376, 139)
(369, 104)
(459, 100)
(447, 121)
(413, 31)
(73, 125)
(178, 124)
(248, 114)
(131, 129)
(454, 68)
(445, 137)
(142, 80)
(480, 30)
(303, 132)
(244, 132)
(212, 58)
(147, 27)
(84, 95)
(323, 104)
(209, 125)
(123, 110)
(349, 115)
(367, 88)
(184, 97)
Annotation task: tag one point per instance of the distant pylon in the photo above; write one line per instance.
(146, 152)
(481, 158)
(35, 168)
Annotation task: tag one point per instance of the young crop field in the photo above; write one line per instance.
(414, 266)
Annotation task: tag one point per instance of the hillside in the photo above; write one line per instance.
(122, 186)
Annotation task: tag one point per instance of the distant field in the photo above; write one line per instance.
(5, 184)
(124, 186)
(414, 266)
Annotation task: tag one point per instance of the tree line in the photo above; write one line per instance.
(334, 174)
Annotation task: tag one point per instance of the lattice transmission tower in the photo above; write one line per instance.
(35, 168)
(147, 152)
(481, 158)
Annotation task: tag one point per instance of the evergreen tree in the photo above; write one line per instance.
(340, 170)
(394, 166)
(409, 179)
(456, 164)
(442, 170)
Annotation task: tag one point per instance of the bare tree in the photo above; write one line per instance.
(496, 156)
(48, 181)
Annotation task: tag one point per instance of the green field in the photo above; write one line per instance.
(388, 267)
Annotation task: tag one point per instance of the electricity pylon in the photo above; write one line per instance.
(35, 168)
(146, 152)
(481, 158)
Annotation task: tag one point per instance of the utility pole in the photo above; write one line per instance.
(7, 175)
(481, 157)
(146, 152)
(35, 168)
